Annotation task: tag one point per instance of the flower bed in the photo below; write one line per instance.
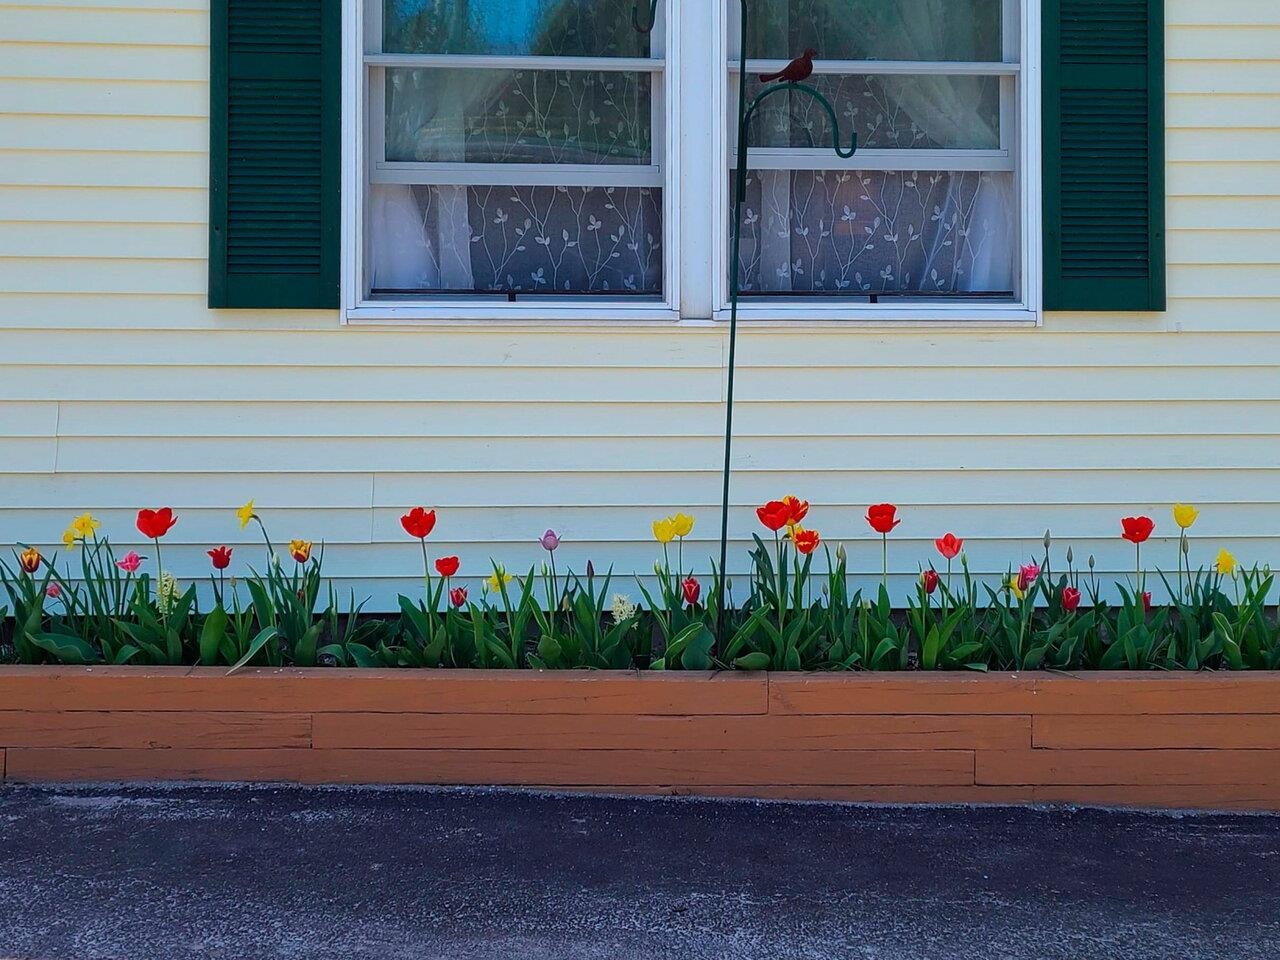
(1144, 739)
(802, 609)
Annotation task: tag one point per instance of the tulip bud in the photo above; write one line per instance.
(1186, 546)
(1047, 539)
(591, 570)
(1091, 561)
(841, 554)
(1069, 558)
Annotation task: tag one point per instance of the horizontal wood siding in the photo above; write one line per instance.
(119, 389)
(1150, 740)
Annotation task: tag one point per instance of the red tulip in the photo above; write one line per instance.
(221, 558)
(154, 524)
(1146, 601)
(692, 590)
(447, 566)
(419, 522)
(930, 580)
(806, 541)
(1137, 529)
(949, 546)
(1070, 599)
(775, 515)
(881, 517)
(458, 596)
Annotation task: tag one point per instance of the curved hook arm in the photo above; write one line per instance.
(826, 105)
(653, 17)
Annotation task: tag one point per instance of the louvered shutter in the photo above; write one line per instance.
(1104, 155)
(274, 153)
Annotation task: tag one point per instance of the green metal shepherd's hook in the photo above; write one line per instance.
(653, 17)
(745, 112)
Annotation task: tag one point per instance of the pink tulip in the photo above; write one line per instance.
(1027, 575)
(549, 541)
(53, 590)
(130, 562)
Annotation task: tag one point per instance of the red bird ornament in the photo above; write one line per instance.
(798, 69)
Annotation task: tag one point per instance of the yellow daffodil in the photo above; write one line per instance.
(1184, 515)
(664, 530)
(84, 525)
(1015, 587)
(245, 514)
(69, 538)
(497, 580)
(682, 524)
(1226, 563)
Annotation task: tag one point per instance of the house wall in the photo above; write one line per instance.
(120, 389)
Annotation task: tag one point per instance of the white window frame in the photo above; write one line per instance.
(696, 160)
(1019, 152)
(363, 163)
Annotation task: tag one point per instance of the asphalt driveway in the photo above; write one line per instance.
(172, 873)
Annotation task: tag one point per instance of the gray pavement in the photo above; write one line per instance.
(170, 873)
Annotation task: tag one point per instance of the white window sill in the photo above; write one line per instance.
(567, 314)
(881, 316)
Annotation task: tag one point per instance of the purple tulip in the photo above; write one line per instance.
(549, 541)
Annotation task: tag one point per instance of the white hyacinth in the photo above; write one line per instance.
(621, 608)
(167, 593)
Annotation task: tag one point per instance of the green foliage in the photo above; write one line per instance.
(798, 614)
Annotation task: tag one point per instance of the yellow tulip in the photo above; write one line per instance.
(1226, 563)
(300, 550)
(683, 524)
(1184, 515)
(245, 514)
(664, 530)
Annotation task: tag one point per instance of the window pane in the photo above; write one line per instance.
(561, 28)
(888, 112)
(926, 233)
(504, 239)
(520, 116)
(875, 29)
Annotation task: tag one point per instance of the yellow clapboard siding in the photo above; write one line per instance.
(145, 241)
(25, 131)
(466, 418)
(1218, 42)
(100, 61)
(1244, 13)
(53, 203)
(72, 22)
(1221, 110)
(107, 168)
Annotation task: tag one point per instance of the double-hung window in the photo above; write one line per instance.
(930, 214)
(513, 156)
(543, 160)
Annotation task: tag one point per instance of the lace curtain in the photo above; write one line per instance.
(919, 232)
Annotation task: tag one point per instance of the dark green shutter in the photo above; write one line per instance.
(274, 153)
(1104, 155)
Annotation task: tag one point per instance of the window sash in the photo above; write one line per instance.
(381, 170)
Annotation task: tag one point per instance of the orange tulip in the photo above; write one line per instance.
(30, 559)
(806, 541)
